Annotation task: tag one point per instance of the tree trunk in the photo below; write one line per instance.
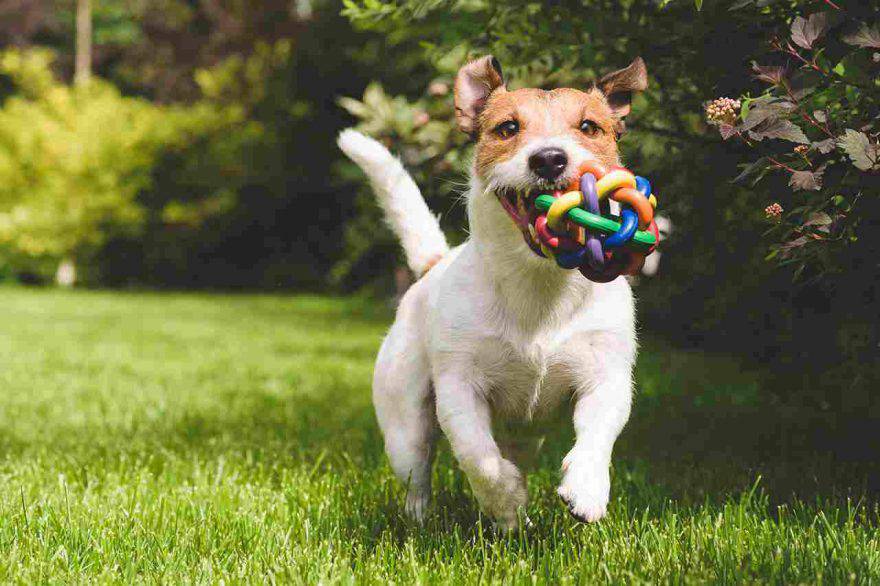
(83, 71)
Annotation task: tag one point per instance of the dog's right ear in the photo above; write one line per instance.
(473, 84)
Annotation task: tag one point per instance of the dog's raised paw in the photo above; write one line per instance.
(585, 512)
(585, 489)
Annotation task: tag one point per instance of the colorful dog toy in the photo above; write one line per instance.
(577, 230)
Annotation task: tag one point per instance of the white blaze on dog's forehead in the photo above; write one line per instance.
(515, 172)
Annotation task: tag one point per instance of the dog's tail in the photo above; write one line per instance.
(405, 209)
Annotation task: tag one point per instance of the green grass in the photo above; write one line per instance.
(175, 437)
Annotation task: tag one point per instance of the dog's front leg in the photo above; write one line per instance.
(465, 418)
(601, 410)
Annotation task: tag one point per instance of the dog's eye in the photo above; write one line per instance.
(507, 129)
(590, 128)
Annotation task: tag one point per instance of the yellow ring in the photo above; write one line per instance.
(614, 180)
(653, 201)
(560, 207)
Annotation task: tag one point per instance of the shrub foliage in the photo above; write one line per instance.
(73, 161)
(801, 141)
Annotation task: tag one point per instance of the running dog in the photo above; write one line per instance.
(491, 332)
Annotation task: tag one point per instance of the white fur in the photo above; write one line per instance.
(652, 262)
(494, 334)
(515, 172)
(400, 198)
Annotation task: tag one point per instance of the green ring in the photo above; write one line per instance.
(641, 241)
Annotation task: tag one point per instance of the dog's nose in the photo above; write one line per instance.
(548, 163)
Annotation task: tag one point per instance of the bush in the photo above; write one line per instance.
(716, 287)
(816, 123)
(73, 161)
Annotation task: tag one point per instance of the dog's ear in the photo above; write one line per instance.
(619, 86)
(473, 84)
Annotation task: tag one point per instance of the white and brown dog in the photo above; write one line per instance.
(492, 331)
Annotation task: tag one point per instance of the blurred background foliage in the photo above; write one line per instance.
(202, 154)
(798, 289)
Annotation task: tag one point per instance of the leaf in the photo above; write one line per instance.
(864, 155)
(796, 243)
(755, 169)
(820, 116)
(354, 107)
(805, 32)
(781, 129)
(806, 180)
(755, 118)
(727, 131)
(698, 4)
(765, 111)
(867, 37)
(788, 249)
(818, 219)
(824, 146)
(770, 73)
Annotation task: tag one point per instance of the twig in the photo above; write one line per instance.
(779, 165)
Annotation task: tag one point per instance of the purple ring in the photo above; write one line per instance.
(591, 201)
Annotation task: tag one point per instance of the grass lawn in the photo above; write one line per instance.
(183, 437)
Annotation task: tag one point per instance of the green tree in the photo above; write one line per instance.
(74, 159)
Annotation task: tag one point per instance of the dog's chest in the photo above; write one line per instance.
(524, 380)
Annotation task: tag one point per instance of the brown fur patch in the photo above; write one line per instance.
(540, 114)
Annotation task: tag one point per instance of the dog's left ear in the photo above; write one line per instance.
(619, 86)
(473, 84)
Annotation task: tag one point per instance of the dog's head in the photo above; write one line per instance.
(532, 141)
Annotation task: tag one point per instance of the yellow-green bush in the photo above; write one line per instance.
(74, 159)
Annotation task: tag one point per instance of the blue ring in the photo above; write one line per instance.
(571, 259)
(629, 223)
(643, 186)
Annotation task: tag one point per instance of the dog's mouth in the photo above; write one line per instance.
(520, 206)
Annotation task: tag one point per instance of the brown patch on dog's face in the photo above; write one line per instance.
(532, 141)
(512, 119)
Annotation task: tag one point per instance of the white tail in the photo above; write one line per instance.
(405, 209)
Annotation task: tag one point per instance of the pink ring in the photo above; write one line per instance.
(552, 240)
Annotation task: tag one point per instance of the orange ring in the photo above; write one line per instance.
(637, 202)
(595, 167)
(577, 232)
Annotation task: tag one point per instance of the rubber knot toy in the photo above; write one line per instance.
(577, 230)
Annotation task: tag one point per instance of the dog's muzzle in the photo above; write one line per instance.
(520, 206)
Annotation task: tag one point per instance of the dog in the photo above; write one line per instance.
(491, 332)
